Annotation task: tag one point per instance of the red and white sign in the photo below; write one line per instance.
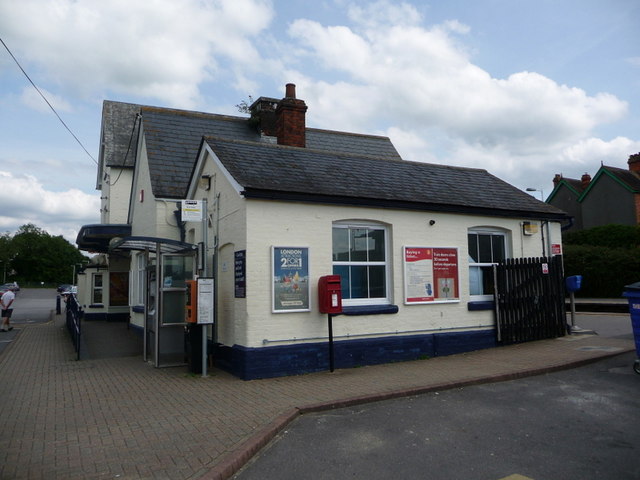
(431, 274)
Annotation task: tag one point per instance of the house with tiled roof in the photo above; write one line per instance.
(611, 197)
(265, 207)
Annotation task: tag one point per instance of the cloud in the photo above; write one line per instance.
(32, 99)
(158, 49)
(24, 200)
(419, 84)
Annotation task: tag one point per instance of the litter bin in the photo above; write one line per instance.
(632, 292)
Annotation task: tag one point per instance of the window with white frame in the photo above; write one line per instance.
(487, 246)
(361, 258)
(96, 291)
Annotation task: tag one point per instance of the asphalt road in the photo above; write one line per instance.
(32, 305)
(576, 424)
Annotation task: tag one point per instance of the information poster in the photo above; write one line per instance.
(205, 301)
(431, 275)
(240, 274)
(290, 279)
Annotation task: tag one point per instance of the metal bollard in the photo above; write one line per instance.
(58, 311)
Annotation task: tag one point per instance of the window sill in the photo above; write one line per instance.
(137, 309)
(96, 305)
(481, 305)
(369, 310)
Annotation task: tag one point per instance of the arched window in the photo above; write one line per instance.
(487, 246)
(360, 257)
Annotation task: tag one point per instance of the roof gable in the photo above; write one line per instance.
(627, 179)
(173, 138)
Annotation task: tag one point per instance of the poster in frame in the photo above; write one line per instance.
(431, 275)
(290, 289)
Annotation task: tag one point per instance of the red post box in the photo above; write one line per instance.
(330, 294)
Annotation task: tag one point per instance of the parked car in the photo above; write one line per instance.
(63, 287)
(70, 289)
(9, 286)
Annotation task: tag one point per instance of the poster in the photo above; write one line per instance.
(240, 274)
(205, 309)
(290, 279)
(431, 275)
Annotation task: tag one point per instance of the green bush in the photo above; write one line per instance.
(612, 236)
(607, 257)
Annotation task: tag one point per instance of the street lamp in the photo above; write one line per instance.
(529, 189)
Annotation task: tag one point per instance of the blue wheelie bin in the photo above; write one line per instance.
(632, 292)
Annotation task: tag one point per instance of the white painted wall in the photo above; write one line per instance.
(115, 193)
(272, 223)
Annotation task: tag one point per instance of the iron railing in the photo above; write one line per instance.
(74, 322)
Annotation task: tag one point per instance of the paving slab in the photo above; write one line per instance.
(120, 417)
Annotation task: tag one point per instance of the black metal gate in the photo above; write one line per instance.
(529, 299)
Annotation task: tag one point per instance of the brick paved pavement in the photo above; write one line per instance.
(122, 418)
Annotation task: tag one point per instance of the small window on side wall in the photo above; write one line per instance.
(96, 291)
(487, 247)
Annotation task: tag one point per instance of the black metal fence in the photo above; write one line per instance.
(529, 299)
(74, 322)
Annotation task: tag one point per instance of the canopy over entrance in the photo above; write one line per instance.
(96, 238)
(152, 244)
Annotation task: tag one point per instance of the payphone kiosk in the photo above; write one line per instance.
(330, 302)
(191, 310)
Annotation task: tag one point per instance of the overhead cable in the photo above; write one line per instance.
(47, 101)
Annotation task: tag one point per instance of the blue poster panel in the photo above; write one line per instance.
(290, 279)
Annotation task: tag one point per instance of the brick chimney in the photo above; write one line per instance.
(586, 180)
(556, 179)
(290, 119)
(634, 162)
(263, 115)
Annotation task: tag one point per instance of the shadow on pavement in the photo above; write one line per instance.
(103, 339)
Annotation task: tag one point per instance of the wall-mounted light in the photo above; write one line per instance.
(205, 182)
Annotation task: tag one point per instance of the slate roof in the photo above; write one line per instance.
(173, 138)
(627, 177)
(289, 173)
(118, 120)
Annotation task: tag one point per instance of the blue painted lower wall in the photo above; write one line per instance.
(277, 361)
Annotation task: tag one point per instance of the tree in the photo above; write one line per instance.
(41, 257)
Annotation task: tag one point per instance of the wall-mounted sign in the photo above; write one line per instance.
(191, 210)
(290, 284)
(431, 275)
(240, 273)
(556, 249)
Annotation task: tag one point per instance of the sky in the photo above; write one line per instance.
(522, 88)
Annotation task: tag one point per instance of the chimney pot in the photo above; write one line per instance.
(586, 180)
(557, 178)
(290, 119)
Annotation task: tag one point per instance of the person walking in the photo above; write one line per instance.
(5, 302)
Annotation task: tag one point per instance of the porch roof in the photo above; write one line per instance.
(152, 244)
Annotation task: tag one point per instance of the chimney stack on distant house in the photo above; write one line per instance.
(586, 180)
(556, 179)
(263, 115)
(634, 162)
(290, 119)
